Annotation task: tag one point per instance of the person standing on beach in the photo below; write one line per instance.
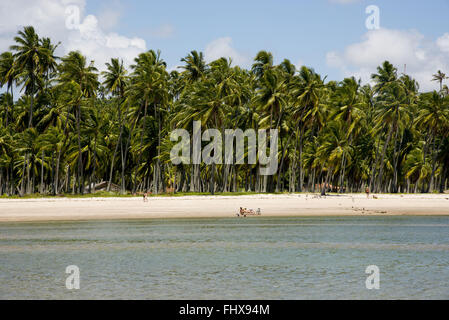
(367, 192)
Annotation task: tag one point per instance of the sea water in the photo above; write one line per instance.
(231, 258)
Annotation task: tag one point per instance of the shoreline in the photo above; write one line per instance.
(285, 205)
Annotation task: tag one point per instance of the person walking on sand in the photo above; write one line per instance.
(367, 192)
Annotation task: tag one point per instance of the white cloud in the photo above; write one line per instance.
(421, 56)
(443, 42)
(49, 19)
(222, 47)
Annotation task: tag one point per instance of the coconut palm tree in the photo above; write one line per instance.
(440, 77)
(31, 60)
(307, 91)
(83, 79)
(115, 82)
(149, 84)
(8, 75)
(195, 66)
(262, 63)
(433, 117)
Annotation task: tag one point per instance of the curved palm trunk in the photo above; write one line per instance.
(434, 167)
(95, 164)
(384, 151)
(126, 150)
(58, 159)
(342, 173)
(111, 170)
(144, 125)
(292, 186)
(42, 173)
(157, 180)
(30, 120)
(119, 143)
(374, 167)
(284, 152)
(301, 168)
(122, 156)
(429, 140)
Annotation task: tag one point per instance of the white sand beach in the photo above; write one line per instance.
(59, 209)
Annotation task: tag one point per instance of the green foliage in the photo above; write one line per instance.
(74, 130)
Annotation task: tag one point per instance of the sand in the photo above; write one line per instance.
(60, 209)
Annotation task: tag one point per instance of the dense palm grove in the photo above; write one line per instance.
(74, 127)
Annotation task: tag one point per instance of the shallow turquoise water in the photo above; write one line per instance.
(253, 258)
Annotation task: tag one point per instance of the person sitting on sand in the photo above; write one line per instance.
(145, 197)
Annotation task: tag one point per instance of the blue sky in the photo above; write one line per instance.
(328, 35)
(302, 31)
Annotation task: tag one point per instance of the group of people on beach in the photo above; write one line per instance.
(243, 212)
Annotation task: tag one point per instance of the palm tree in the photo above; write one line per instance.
(8, 74)
(195, 67)
(262, 62)
(391, 111)
(386, 76)
(115, 82)
(440, 77)
(433, 116)
(391, 115)
(65, 126)
(7, 157)
(349, 110)
(30, 57)
(149, 84)
(49, 61)
(307, 90)
(333, 151)
(5, 102)
(75, 72)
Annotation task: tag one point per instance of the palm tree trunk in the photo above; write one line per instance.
(111, 172)
(324, 186)
(282, 161)
(443, 179)
(212, 179)
(80, 177)
(300, 164)
(141, 136)
(42, 173)
(384, 151)
(30, 120)
(95, 163)
(434, 167)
